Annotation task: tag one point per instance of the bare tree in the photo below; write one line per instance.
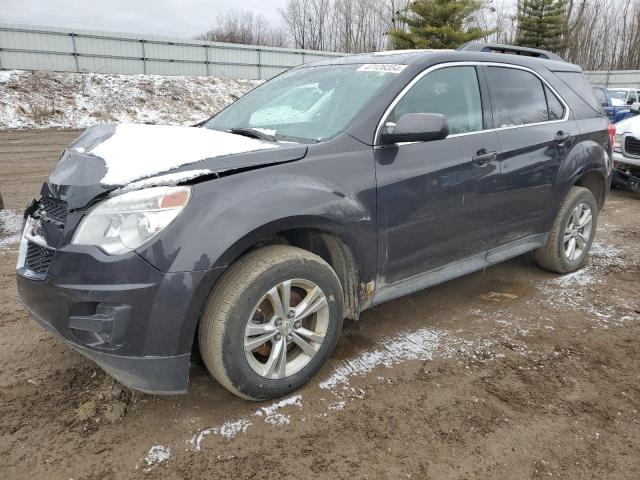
(602, 34)
(341, 25)
(247, 28)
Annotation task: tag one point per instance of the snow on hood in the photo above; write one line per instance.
(629, 125)
(135, 151)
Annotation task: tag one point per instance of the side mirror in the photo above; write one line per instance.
(635, 108)
(416, 127)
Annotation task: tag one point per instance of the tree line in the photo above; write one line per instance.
(595, 34)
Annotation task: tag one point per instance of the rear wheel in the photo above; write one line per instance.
(272, 322)
(572, 234)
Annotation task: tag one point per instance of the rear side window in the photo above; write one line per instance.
(601, 96)
(451, 91)
(577, 82)
(519, 97)
(555, 107)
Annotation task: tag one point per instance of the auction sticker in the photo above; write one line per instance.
(382, 67)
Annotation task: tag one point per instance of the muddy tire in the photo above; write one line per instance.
(572, 234)
(271, 322)
(1, 202)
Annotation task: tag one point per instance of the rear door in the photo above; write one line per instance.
(535, 134)
(436, 200)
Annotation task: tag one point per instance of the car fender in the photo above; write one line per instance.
(583, 157)
(226, 216)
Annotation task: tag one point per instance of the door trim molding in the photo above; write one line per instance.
(458, 269)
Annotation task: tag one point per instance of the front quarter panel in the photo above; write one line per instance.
(333, 189)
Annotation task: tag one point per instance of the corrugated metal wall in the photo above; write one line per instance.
(618, 78)
(46, 48)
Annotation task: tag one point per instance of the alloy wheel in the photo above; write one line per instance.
(286, 329)
(577, 233)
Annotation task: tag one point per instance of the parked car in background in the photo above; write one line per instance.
(626, 152)
(616, 109)
(256, 234)
(624, 96)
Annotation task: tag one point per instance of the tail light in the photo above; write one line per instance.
(612, 136)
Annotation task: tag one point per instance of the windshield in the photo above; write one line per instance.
(619, 94)
(306, 104)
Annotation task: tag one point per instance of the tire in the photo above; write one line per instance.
(1, 202)
(554, 256)
(242, 297)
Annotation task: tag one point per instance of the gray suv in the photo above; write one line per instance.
(332, 188)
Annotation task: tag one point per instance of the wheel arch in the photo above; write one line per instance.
(325, 238)
(594, 181)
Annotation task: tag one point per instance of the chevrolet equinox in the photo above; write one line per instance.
(333, 187)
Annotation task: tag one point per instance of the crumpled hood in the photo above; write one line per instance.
(629, 125)
(108, 157)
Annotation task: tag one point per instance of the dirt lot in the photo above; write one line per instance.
(507, 373)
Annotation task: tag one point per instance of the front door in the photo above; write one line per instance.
(436, 199)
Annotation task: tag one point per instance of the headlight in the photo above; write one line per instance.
(617, 143)
(123, 223)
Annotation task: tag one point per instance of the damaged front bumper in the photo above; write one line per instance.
(134, 321)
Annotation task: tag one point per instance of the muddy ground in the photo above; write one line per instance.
(508, 373)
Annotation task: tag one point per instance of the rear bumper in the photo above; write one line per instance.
(134, 321)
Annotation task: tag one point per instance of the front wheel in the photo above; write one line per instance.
(572, 234)
(272, 322)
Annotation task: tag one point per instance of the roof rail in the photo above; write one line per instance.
(509, 49)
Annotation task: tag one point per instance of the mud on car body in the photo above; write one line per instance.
(253, 235)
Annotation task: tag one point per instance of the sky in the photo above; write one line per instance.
(173, 18)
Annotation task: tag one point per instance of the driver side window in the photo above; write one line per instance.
(451, 91)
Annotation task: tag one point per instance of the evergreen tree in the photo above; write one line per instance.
(541, 24)
(438, 24)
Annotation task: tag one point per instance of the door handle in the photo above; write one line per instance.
(483, 157)
(562, 137)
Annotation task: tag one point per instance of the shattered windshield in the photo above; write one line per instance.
(306, 104)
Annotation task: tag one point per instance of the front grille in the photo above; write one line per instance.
(38, 258)
(632, 146)
(54, 210)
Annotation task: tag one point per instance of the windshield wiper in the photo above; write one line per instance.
(254, 133)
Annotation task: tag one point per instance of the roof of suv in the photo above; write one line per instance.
(425, 58)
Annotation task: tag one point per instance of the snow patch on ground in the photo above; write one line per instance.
(418, 345)
(577, 291)
(600, 257)
(271, 414)
(228, 430)
(231, 428)
(605, 256)
(10, 228)
(137, 151)
(157, 454)
(581, 277)
(81, 100)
